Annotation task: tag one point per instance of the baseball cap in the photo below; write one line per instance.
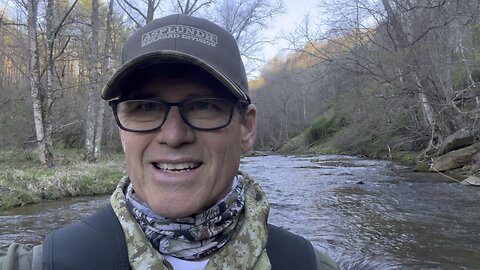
(182, 39)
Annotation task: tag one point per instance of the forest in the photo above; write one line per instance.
(55, 57)
(364, 77)
(378, 78)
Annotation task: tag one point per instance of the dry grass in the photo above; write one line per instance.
(25, 181)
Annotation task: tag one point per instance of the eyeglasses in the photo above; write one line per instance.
(202, 113)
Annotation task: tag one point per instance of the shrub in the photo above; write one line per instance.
(322, 127)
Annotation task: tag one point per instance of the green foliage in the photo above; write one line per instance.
(460, 78)
(322, 127)
(380, 138)
(385, 134)
(295, 145)
(102, 181)
(326, 148)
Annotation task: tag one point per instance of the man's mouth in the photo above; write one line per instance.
(177, 167)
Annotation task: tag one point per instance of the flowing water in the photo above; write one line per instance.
(366, 214)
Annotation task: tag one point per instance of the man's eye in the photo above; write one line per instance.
(148, 106)
(201, 105)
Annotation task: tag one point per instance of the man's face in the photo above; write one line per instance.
(179, 171)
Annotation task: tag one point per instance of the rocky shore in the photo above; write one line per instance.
(460, 154)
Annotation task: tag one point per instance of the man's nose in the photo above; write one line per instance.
(175, 132)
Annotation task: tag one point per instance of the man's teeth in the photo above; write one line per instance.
(176, 166)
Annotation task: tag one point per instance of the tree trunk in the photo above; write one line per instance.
(400, 35)
(93, 79)
(467, 67)
(426, 106)
(49, 89)
(105, 75)
(304, 105)
(285, 120)
(150, 10)
(35, 81)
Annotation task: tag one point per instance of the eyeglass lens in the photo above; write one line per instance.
(201, 113)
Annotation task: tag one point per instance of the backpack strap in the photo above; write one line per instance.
(98, 243)
(37, 257)
(289, 251)
(95, 243)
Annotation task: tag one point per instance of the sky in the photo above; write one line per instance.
(295, 11)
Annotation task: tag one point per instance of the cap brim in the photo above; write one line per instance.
(112, 89)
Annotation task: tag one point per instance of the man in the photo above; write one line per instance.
(181, 103)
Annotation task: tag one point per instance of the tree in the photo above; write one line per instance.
(105, 74)
(136, 11)
(93, 77)
(44, 146)
(190, 7)
(402, 41)
(405, 46)
(50, 66)
(54, 62)
(245, 20)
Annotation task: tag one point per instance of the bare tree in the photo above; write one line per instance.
(136, 11)
(246, 20)
(105, 74)
(56, 50)
(93, 85)
(402, 41)
(190, 7)
(405, 45)
(44, 151)
(50, 66)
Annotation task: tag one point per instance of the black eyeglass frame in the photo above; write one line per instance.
(114, 105)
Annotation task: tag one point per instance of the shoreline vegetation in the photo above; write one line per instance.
(23, 180)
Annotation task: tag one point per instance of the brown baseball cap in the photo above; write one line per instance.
(182, 39)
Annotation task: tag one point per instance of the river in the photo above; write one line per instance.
(367, 214)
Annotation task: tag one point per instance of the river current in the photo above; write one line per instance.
(367, 214)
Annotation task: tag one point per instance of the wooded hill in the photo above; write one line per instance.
(376, 78)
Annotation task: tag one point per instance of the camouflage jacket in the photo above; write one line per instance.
(246, 250)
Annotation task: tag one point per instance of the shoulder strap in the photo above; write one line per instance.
(37, 257)
(95, 243)
(289, 251)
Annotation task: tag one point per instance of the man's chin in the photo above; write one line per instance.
(173, 203)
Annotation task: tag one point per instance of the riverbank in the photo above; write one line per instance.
(24, 181)
(457, 172)
(326, 146)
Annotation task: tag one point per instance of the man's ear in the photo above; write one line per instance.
(249, 128)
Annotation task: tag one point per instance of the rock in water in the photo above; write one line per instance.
(455, 159)
(460, 139)
(422, 166)
(471, 181)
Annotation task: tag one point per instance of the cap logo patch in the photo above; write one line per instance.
(180, 31)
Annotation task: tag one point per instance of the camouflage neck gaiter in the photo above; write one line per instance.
(194, 237)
